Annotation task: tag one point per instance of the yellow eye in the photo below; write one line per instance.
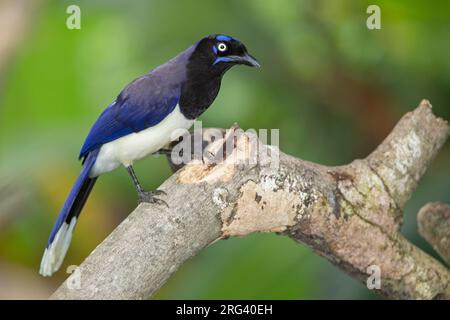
(222, 47)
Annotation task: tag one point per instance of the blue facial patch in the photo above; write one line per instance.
(222, 37)
(222, 59)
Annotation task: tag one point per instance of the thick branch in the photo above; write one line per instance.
(349, 214)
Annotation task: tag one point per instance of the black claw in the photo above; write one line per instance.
(159, 192)
(149, 197)
(161, 202)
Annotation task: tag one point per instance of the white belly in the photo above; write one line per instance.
(125, 150)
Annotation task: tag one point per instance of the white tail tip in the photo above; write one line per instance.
(54, 254)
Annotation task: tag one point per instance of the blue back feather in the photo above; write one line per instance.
(142, 104)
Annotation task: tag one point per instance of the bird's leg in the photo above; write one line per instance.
(145, 196)
(164, 151)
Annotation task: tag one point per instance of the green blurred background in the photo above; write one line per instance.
(332, 87)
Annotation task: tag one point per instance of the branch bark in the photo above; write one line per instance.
(351, 215)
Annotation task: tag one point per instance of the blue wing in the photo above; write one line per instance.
(142, 104)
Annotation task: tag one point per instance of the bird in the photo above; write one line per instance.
(144, 118)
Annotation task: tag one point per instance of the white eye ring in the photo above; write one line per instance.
(222, 47)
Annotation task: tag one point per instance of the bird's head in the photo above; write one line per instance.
(220, 52)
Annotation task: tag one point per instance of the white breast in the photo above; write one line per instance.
(125, 150)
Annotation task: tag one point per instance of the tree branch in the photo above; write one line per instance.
(349, 214)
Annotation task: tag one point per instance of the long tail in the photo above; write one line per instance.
(59, 240)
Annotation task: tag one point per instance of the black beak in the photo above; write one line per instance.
(248, 60)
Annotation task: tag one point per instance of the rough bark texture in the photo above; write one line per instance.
(349, 214)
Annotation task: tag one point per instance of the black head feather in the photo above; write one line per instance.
(211, 57)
